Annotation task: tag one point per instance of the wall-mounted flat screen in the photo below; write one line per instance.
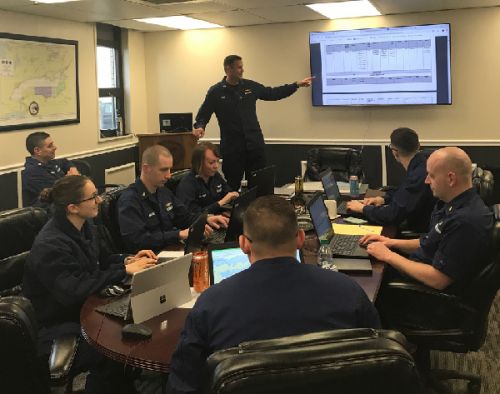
(383, 66)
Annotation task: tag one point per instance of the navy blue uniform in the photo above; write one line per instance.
(36, 176)
(151, 220)
(199, 196)
(61, 272)
(273, 298)
(412, 201)
(241, 139)
(458, 243)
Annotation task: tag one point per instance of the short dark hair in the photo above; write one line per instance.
(66, 190)
(150, 155)
(405, 140)
(199, 155)
(230, 60)
(35, 140)
(271, 221)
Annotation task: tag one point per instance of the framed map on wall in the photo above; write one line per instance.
(38, 82)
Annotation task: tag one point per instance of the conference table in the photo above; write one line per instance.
(104, 332)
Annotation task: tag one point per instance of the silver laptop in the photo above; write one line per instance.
(153, 291)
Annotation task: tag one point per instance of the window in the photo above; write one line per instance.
(110, 81)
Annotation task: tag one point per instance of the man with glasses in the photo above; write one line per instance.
(412, 201)
(276, 296)
(41, 169)
(149, 214)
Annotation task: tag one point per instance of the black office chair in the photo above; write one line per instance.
(107, 222)
(343, 162)
(340, 361)
(435, 320)
(22, 371)
(18, 229)
(176, 178)
(484, 183)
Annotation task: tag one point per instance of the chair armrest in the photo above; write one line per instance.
(62, 355)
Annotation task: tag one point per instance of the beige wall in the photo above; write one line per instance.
(180, 66)
(76, 138)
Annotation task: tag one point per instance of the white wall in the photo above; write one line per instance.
(180, 67)
(83, 137)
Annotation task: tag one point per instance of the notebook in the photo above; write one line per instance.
(342, 245)
(263, 179)
(227, 259)
(153, 291)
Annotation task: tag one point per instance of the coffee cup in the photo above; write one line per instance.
(331, 206)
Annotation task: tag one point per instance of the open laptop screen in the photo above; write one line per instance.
(319, 215)
(330, 186)
(264, 180)
(228, 259)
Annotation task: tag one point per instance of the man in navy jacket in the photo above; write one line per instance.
(149, 214)
(41, 169)
(412, 201)
(234, 102)
(276, 296)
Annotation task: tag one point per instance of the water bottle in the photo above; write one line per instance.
(325, 257)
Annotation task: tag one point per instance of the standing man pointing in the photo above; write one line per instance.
(234, 102)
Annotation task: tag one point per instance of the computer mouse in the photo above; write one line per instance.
(136, 331)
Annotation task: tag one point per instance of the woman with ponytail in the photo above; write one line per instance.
(64, 269)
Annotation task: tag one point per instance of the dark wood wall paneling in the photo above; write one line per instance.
(286, 157)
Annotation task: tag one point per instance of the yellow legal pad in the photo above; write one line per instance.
(356, 229)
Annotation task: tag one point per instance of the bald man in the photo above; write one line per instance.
(458, 243)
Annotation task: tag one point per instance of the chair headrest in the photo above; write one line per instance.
(18, 229)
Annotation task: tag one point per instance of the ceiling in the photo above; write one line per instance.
(224, 12)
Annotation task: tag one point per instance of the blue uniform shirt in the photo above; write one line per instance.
(235, 108)
(412, 201)
(199, 196)
(63, 269)
(271, 299)
(459, 240)
(36, 176)
(151, 220)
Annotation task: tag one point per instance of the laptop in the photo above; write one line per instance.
(193, 242)
(235, 227)
(263, 179)
(227, 259)
(153, 291)
(332, 191)
(341, 244)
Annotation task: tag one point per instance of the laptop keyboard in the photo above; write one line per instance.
(118, 308)
(217, 237)
(345, 245)
(342, 208)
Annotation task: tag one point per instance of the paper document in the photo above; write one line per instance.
(356, 229)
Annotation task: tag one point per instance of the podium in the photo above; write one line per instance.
(181, 146)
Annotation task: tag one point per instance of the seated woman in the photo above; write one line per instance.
(64, 269)
(204, 189)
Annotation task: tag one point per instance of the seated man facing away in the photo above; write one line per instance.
(149, 215)
(41, 170)
(275, 297)
(204, 189)
(413, 200)
(457, 245)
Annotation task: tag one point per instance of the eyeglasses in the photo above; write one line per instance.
(392, 147)
(247, 237)
(94, 197)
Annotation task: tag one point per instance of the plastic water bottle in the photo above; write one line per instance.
(325, 258)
